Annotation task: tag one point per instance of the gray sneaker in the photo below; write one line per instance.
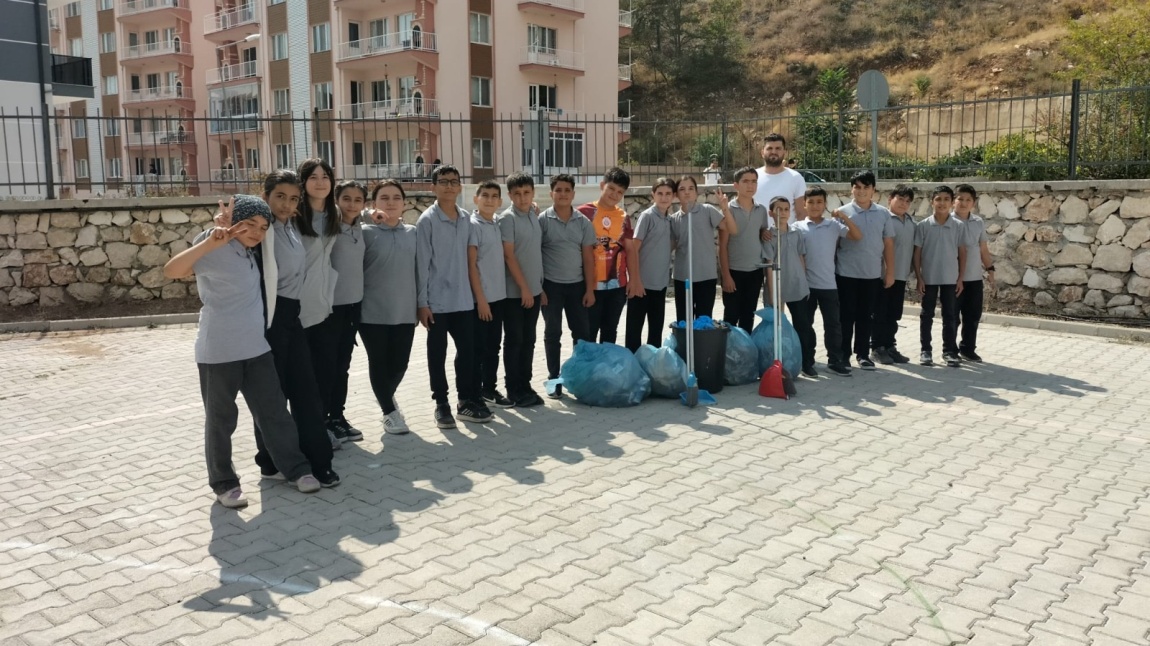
(925, 359)
(307, 484)
(336, 443)
(880, 355)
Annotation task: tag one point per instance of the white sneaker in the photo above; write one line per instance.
(336, 444)
(307, 484)
(394, 423)
(232, 499)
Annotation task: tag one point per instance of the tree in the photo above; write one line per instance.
(693, 45)
(1114, 49)
(828, 118)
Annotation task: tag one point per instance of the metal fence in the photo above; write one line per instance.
(1079, 133)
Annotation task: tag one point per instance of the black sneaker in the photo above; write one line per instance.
(473, 412)
(329, 479)
(897, 356)
(880, 355)
(810, 371)
(529, 400)
(557, 393)
(443, 416)
(865, 363)
(970, 355)
(344, 430)
(839, 369)
(496, 399)
(952, 360)
(925, 359)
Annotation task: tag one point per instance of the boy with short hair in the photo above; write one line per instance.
(444, 299)
(888, 311)
(569, 279)
(793, 288)
(522, 238)
(822, 237)
(232, 353)
(612, 228)
(485, 271)
(939, 256)
(978, 260)
(649, 267)
(739, 254)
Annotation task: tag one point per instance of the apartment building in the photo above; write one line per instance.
(207, 95)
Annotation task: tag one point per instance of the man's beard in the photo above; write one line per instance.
(773, 160)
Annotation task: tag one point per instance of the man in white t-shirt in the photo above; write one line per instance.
(776, 180)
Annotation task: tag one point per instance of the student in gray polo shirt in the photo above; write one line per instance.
(231, 351)
(489, 287)
(347, 261)
(523, 258)
(446, 304)
(794, 290)
(739, 254)
(699, 221)
(939, 255)
(978, 260)
(649, 267)
(888, 312)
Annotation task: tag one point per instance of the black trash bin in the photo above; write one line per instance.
(710, 355)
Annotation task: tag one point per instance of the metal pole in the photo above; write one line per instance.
(45, 127)
(874, 141)
(723, 147)
(1075, 98)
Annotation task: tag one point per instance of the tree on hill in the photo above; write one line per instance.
(1112, 49)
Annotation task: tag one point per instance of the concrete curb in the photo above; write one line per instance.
(1053, 325)
(106, 323)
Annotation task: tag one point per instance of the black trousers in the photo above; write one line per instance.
(887, 314)
(651, 308)
(970, 313)
(603, 317)
(827, 302)
(563, 299)
(325, 340)
(803, 318)
(461, 327)
(519, 332)
(488, 338)
(857, 300)
(739, 306)
(388, 350)
(934, 294)
(347, 325)
(704, 298)
(293, 363)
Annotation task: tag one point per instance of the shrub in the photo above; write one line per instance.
(1019, 158)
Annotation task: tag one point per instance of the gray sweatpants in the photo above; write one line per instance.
(257, 380)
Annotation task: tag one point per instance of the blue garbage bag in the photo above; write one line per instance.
(701, 323)
(764, 338)
(671, 342)
(605, 374)
(667, 370)
(742, 358)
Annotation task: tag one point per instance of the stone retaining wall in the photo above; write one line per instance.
(1078, 248)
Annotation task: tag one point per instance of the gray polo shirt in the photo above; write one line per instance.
(863, 258)
(704, 219)
(792, 275)
(389, 293)
(940, 243)
(291, 260)
(822, 241)
(441, 261)
(745, 248)
(903, 246)
(563, 244)
(654, 230)
(975, 236)
(318, 292)
(523, 230)
(347, 259)
(488, 243)
(232, 318)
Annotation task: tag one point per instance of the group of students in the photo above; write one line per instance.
(289, 281)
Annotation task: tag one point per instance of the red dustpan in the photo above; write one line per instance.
(771, 385)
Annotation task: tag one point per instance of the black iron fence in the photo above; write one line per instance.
(1077, 134)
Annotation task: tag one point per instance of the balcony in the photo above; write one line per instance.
(72, 77)
(172, 93)
(134, 7)
(624, 76)
(237, 175)
(624, 125)
(562, 8)
(547, 59)
(179, 180)
(625, 22)
(238, 123)
(401, 109)
(160, 138)
(390, 171)
(225, 20)
(422, 44)
(244, 70)
(162, 48)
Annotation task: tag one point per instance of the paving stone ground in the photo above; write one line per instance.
(1003, 503)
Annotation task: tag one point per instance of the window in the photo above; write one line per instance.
(321, 37)
(275, 1)
(481, 91)
(284, 157)
(542, 97)
(408, 150)
(76, 47)
(107, 42)
(541, 39)
(81, 168)
(325, 150)
(380, 91)
(480, 28)
(72, 9)
(111, 126)
(279, 47)
(253, 158)
(106, 4)
(380, 152)
(357, 153)
(114, 167)
(322, 96)
(79, 128)
(281, 101)
(565, 150)
(481, 153)
(111, 85)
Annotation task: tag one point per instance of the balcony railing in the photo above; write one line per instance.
(394, 171)
(157, 94)
(387, 44)
(236, 174)
(159, 138)
(244, 70)
(400, 109)
(625, 19)
(174, 46)
(574, 5)
(129, 7)
(71, 70)
(625, 72)
(565, 58)
(625, 125)
(232, 18)
(164, 179)
(238, 123)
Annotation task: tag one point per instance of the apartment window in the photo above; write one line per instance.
(481, 153)
(408, 150)
(281, 101)
(542, 97)
(325, 150)
(480, 28)
(322, 96)
(380, 91)
(107, 42)
(279, 47)
(253, 158)
(111, 85)
(76, 47)
(79, 128)
(111, 126)
(81, 168)
(380, 152)
(106, 4)
(321, 38)
(72, 9)
(564, 150)
(541, 39)
(114, 167)
(481, 91)
(275, 1)
(357, 153)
